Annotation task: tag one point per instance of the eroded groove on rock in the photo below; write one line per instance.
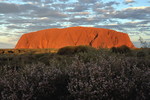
(93, 39)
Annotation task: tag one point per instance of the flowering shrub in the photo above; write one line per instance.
(33, 82)
(95, 75)
(109, 81)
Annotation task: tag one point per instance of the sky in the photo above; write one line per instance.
(22, 16)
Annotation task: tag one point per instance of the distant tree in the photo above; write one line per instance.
(144, 44)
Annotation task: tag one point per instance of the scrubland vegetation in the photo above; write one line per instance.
(76, 73)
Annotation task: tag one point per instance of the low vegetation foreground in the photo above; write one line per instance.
(75, 73)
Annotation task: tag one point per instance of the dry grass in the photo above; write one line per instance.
(25, 51)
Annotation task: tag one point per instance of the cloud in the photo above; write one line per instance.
(87, 1)
(4, 34)
(9, 8)
(39, 2)
(78, 8)
(26, 7)
(4, 45)
(24, 21)
(46, 12)
(112, 3)
(14, 27)
(129, 27)
(29, 10)
(104, 9)
(7, 41)
(84, 21)
(30, 26)
(12, 8)
(34, 27)
(139, 13)
(32, 1)
(137, 44)
(22, 16)
(82, 13)
(129, 1)
(63, 0)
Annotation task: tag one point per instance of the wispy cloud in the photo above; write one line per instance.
(129, 1)
(19, 16)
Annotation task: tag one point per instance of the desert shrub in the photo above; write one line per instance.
(114, 50)
(66, 50)
(103, 82)
(140, 54)
(88, 57)
(44, 58)
(10, 51)
(110, 78)
(122, 49)
(34, 82)
(1, 51)
(86, 53)
(84, 49)
(92, 75)
(18, 51)
(69, 50)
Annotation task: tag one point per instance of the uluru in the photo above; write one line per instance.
(74, 36)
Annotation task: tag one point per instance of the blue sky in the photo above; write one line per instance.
(22, 16)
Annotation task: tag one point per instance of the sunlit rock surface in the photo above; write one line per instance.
(74, 36)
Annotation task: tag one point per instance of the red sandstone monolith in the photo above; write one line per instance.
(74, 36)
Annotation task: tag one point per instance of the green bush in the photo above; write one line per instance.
(122, 49)
(69, 50)
(114, 50)
(84, 49)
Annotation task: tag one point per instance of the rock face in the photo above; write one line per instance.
(73, 36)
